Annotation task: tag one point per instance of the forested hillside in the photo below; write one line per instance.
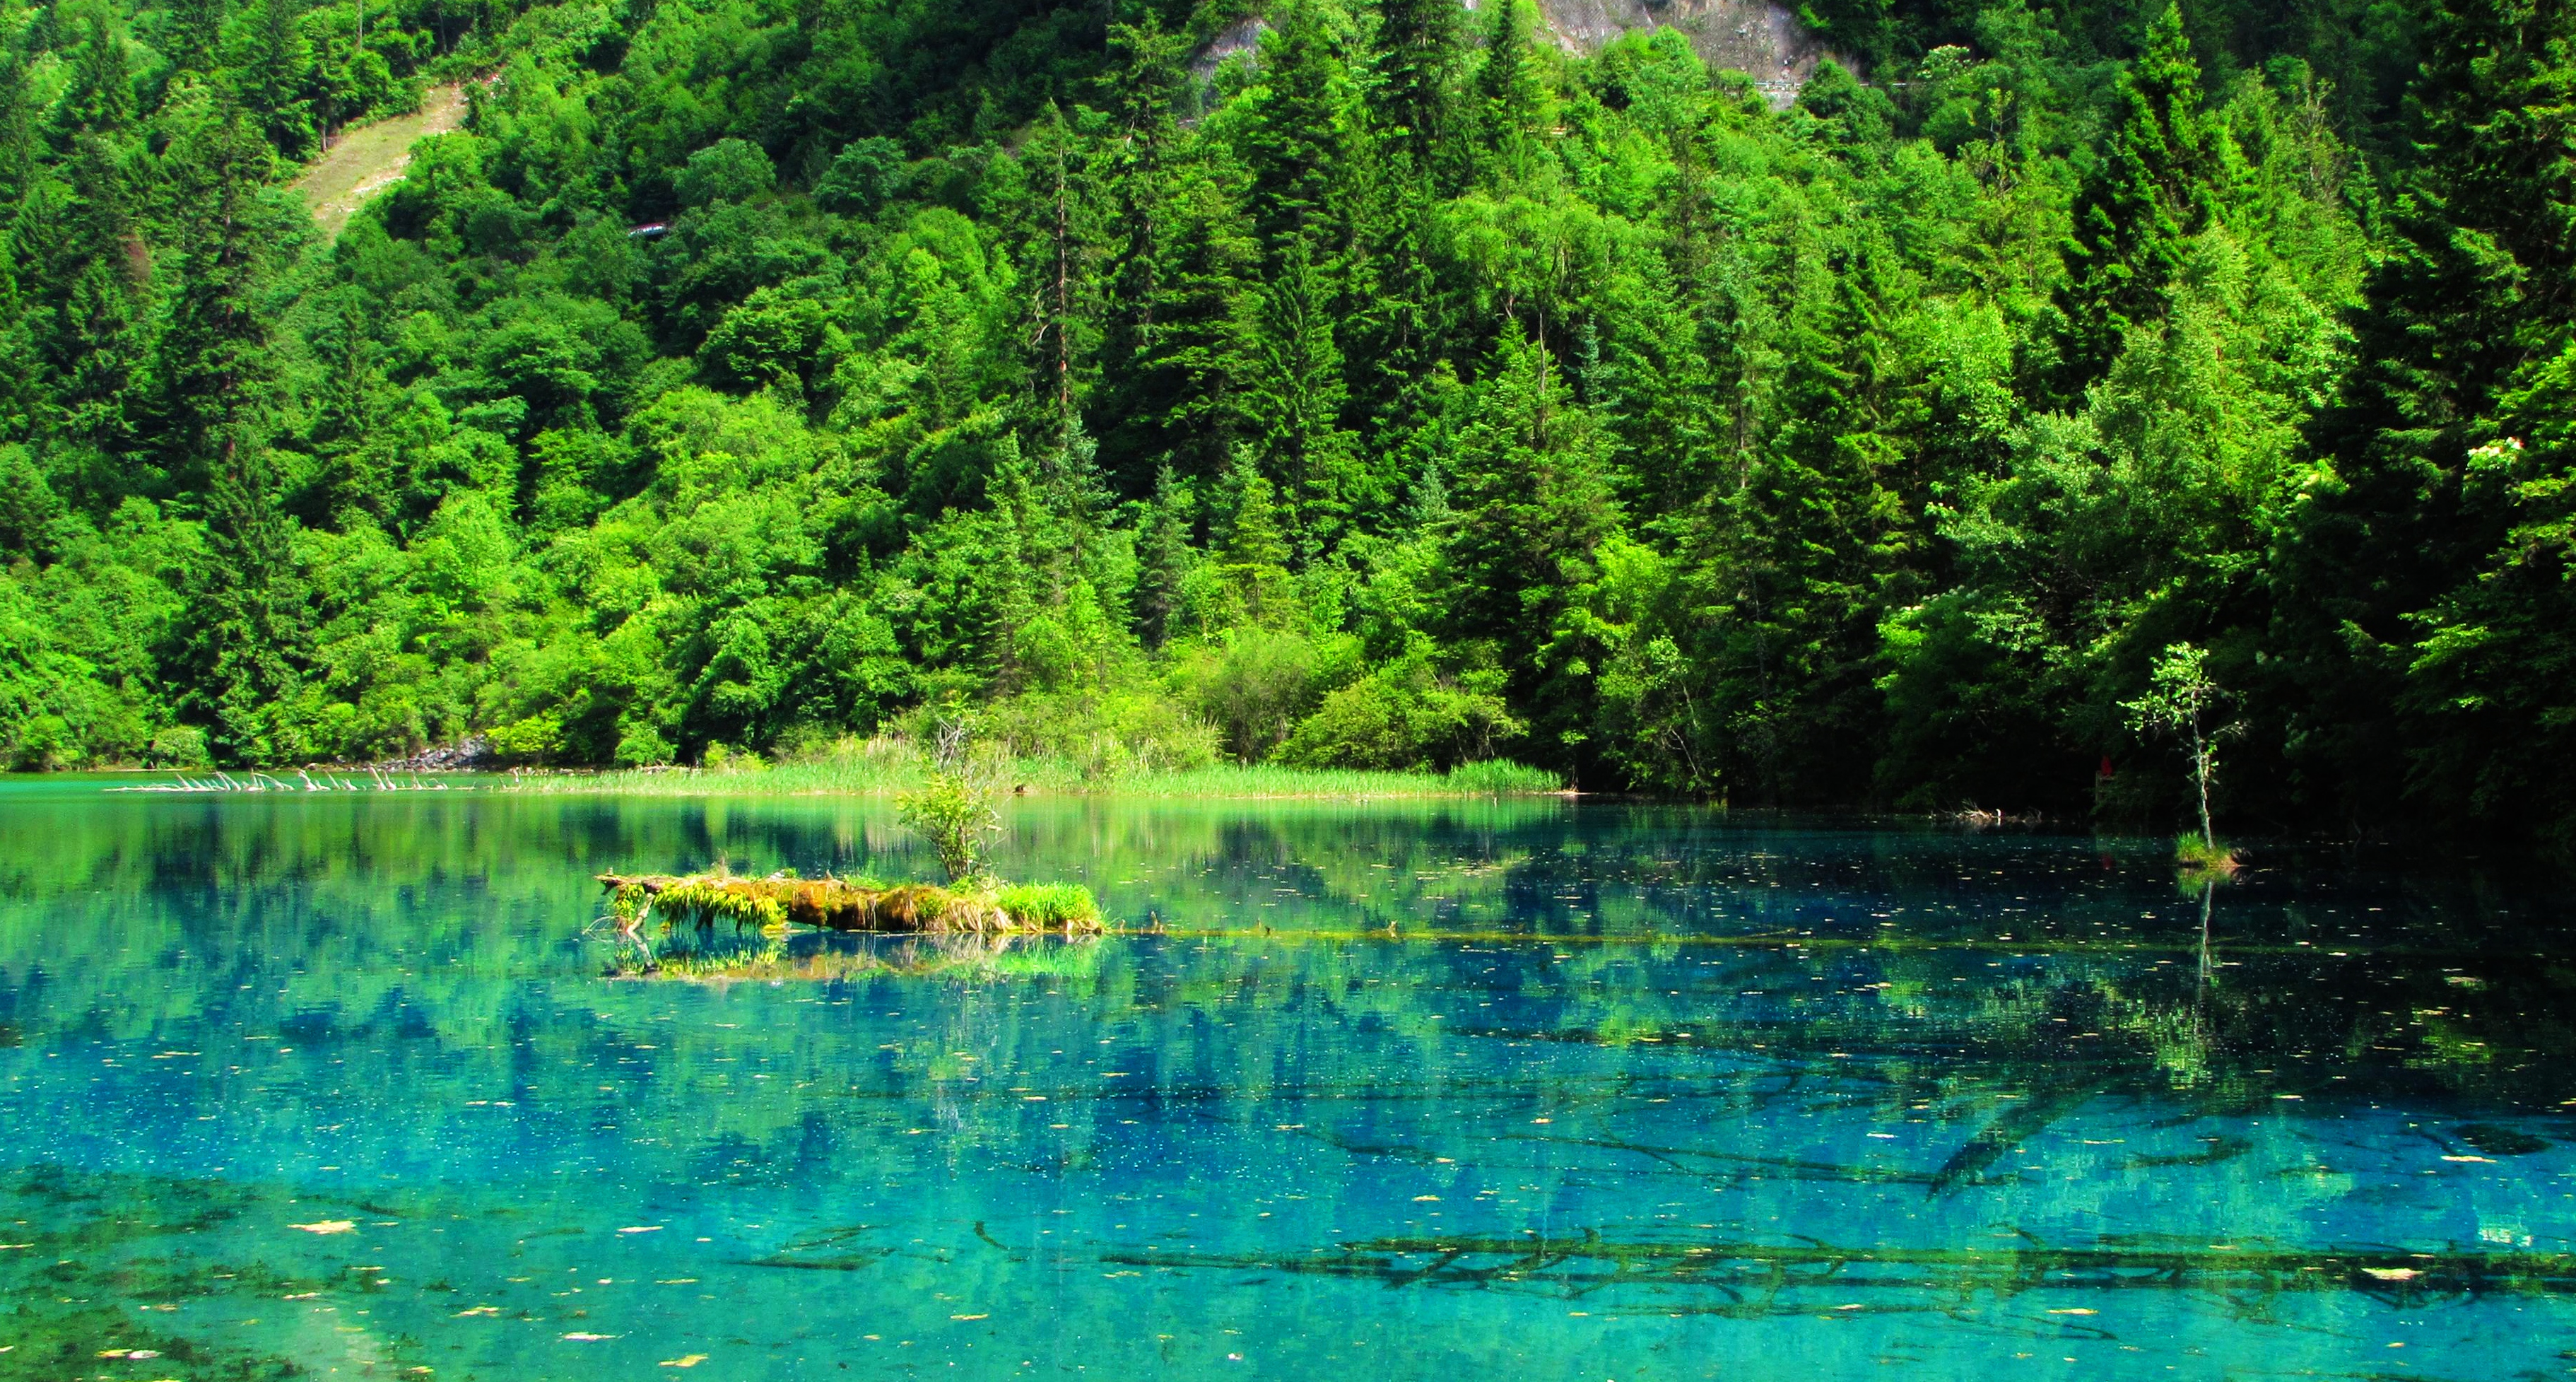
(1407, 389)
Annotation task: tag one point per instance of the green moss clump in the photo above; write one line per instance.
(2199, 854)
(1050, 906)
(741, 901)
(836, 904)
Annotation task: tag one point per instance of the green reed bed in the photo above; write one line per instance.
(886, 768)
(1050, 906)
(1265, 780)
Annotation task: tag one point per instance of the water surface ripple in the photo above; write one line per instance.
(1531, 1090)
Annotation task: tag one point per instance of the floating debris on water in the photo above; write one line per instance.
(1767, 1278)
(330, 780)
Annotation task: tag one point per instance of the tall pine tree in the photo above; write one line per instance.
(1299, 138)
(2150, 194)
(100, 99)
(1511, 92)
(219, 372)
(1421, 52)
(2428, 569)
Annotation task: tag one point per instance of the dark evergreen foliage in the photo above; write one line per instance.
(1407, 389)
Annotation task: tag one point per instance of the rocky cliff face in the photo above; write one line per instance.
(1756, 37)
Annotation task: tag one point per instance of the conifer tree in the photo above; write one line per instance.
(1147, 85)
(2150, 194)
(1164, 557)
(99, 337)
(1511, 91)
(20, 396)
(1251, 536)
(1062, 331)
(17, 126)
(221, 377)
(216, 369)
(94, 340)
(1147, 81)
(2424, 573)
(1299, 144)
(253, 598)
(2483, 280)
(1289, 391)
(1421, 51)
(1250, 542)
(273, 76)
(197, 33)
(100, 99)
(1530, 506)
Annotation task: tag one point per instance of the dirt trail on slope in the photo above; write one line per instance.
(372, 157)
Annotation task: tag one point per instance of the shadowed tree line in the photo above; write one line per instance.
(1404, 391)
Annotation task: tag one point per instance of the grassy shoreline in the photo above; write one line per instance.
(885, 771)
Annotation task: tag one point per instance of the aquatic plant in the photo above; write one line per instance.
(628, 900)
(1503, 777)
(2180, 696)
(955, 818)
(887, 767)
(814, 957)
(2197, 854)
(837, 904)
(953, 810)
(738, 900)
(1069, 906)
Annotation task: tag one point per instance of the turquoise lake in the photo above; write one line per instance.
(345, 1083)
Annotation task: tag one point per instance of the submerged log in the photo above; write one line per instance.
(837, 904)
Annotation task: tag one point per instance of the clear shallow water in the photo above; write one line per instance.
(1630, 1093)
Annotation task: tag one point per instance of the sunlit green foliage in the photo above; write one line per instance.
(1050, 906)
(1405, 392)
(955, 817)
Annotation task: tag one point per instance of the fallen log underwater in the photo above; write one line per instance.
(838, 904)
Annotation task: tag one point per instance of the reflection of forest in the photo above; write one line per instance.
(720, 953)
(1920, 965)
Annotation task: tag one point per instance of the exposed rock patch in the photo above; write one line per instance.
(1756, 37)
(466, 754)
(1759, 38)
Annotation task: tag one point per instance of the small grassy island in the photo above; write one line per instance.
(786, 926)
(978, 906)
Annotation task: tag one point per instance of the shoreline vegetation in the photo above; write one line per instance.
(879, 767)
(2041, 396)
(894, 774)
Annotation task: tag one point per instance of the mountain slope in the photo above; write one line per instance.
(1760, 39)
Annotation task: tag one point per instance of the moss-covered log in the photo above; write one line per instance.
(838, 904)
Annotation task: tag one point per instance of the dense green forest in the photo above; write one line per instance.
(1406, 390)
